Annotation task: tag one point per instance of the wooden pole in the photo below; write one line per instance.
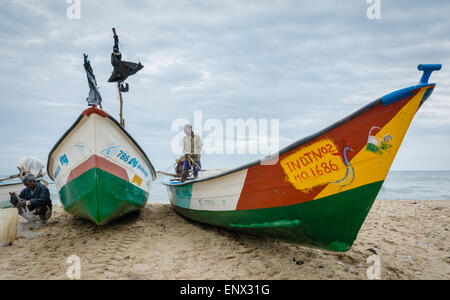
(122, 121)
(10, 177)
(41, 175)
(167, 174)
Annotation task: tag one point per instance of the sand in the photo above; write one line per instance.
(410, 238)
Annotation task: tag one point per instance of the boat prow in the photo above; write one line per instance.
(100, 172)
(321, 188)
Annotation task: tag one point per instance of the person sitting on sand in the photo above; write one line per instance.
(33, 203)
(192, 146)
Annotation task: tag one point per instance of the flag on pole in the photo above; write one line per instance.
(122, 69)
(94, 97)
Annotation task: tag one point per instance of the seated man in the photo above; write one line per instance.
(33, 203)
(192, 146)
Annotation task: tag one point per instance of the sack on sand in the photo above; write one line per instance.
(30, 165)
(8, 226)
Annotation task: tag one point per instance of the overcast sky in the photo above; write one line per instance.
(306, 63)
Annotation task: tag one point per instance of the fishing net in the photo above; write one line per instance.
(8, 226)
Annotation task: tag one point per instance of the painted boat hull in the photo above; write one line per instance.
(100, 172)
(317, 191)
(328, 223)
(5, 189)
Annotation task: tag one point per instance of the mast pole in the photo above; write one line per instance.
(122, 121)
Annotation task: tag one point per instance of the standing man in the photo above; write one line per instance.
(192, 147)
(33, 203)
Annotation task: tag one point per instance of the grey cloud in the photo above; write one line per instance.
(307, 63)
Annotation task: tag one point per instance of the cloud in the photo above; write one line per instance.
(306, 63)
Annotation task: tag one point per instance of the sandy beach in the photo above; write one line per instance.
(410, 238)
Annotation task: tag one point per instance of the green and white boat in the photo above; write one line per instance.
(100, 172)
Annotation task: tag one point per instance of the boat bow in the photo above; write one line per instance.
(100, 172)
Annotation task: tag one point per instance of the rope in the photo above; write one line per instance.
(167, 169)
(190, 158)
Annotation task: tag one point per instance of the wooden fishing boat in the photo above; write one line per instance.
(5, 189)
(317, 191)
(99, 170)
(13, 183)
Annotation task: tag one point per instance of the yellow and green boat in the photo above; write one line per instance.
(317, 191)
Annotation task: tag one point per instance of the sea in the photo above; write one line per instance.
(399, 185)
(416, 185)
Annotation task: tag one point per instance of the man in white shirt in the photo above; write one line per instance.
(192, 147)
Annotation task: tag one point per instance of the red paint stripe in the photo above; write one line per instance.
(96, 161)
(268, 186)
(95, 110)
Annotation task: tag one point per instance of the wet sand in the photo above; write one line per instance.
(411, 239)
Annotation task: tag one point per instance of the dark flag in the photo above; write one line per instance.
(94, 95)
(122, 69)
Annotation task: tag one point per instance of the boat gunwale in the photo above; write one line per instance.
(301, 141)
(10, 184)
(49, 159)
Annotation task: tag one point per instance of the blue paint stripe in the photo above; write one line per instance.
(402, 94)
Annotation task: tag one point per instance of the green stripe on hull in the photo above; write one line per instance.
(330, 223)
(99, 196)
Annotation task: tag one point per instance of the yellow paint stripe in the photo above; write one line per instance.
(370, 167)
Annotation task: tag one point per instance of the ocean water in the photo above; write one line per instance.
(158, 193)
(416, 185)
(399, 185)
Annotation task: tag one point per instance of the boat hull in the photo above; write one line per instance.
(5, 189)
(317, 191)
(99, 170)
(100, 196)
(329, 223)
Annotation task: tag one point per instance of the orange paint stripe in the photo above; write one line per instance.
(96, 161)
(268, 186)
